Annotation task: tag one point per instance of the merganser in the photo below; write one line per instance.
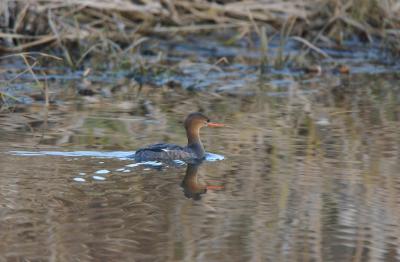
(168, 152)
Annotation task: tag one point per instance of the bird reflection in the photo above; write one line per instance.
(192, 188)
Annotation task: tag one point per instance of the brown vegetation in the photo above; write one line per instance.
(103, 23)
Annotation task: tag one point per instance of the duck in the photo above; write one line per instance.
(193, 151)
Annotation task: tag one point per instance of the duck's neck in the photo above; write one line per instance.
(194, 142)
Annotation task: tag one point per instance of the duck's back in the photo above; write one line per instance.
(164, 152)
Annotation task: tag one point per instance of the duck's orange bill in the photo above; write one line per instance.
(212, 124)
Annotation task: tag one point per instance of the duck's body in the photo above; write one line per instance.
(194, 150)
(166, 152)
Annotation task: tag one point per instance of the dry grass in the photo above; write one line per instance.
(38, 23)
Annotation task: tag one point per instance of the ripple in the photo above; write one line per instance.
(97, 154)
(146, 163)
(98, 178)
(125, 155)
(214, 157)
(102, 171)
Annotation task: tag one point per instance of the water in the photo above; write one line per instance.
(307, 170)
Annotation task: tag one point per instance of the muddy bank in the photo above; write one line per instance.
(208, 63)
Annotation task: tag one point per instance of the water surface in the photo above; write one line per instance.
(310, 172)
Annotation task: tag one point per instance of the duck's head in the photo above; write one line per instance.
(195, 121)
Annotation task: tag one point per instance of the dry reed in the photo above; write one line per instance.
(38, 23)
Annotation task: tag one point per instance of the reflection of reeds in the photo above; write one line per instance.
(112, 22)
(30, 60)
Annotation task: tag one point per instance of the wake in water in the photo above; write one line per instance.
(123, 155)
(99, 175)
